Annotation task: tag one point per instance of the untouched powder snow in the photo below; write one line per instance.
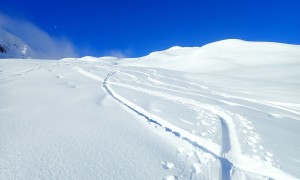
(227, 110)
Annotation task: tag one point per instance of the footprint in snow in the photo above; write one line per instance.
(167, 165)
(269, 154)
(260, 147)
(170, 178)
(190, 154)
(180, 150)
(267, 158)
(196, 168)
(203, 134)
(253, 139)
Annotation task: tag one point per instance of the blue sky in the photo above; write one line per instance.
(136, 27)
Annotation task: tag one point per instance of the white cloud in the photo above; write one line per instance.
(46, 46)
(119, 53)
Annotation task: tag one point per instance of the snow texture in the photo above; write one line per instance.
(227, 110)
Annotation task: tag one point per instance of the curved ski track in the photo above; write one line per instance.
(229, 154)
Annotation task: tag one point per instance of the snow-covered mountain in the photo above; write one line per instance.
(226, 55)
(13, 47)
(227, 110)
(32, 43)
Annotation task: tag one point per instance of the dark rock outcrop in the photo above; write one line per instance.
(3, 49)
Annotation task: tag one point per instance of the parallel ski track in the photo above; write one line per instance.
(276, 105)
(209, 147)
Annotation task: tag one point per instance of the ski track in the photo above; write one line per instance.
(229, 154)
(220, 95)
(27, 71)
(278, 105)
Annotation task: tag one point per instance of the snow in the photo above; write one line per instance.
(227, 110)
(14, 47)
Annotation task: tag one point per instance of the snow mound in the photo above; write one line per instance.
(226, 55)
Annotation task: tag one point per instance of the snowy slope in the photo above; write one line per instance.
(227, 110)
(225, 55)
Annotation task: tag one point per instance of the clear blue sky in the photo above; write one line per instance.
(138, 27)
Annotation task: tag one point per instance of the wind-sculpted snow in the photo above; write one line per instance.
(100, 118)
